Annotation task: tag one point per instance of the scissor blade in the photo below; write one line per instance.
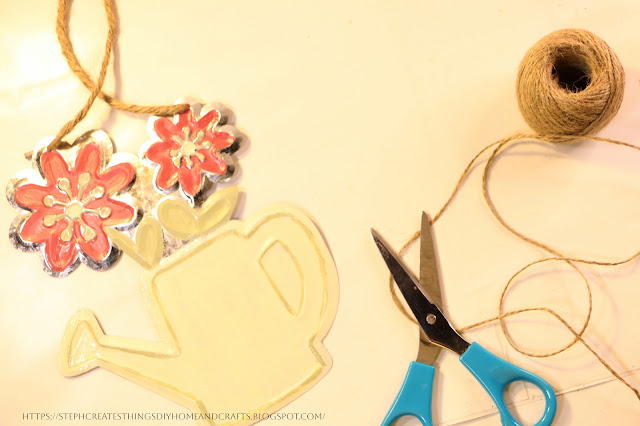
(407, 284)
(438, 331)
(429, 279)
(427, 351)
(430, 284)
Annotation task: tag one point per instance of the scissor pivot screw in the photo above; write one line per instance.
(431, 319)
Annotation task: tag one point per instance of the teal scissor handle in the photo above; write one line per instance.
(495, 374)
(414, 397)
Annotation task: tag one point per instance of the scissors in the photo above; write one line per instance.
(493, 373)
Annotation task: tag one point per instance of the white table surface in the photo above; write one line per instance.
(364, 113)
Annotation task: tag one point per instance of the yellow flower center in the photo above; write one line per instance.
(188, 147)
(76, 207)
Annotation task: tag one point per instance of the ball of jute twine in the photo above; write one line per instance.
(570, 85)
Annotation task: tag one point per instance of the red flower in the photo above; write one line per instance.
(73, 208)
(186, 150)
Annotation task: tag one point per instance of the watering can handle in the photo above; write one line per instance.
(298, 236)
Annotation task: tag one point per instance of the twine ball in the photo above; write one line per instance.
(569, 83)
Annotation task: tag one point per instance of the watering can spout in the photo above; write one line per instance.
(80, 352)
(85, 347)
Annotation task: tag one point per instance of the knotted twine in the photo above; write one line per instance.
(569, 86)
(62, 32)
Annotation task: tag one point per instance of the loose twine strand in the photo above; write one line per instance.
(62, 31)
(577, 46)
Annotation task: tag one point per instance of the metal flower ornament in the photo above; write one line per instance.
(81, 202)
(270, 276)
(187, 151)
(67, 202)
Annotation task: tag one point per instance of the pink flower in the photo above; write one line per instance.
(72, 209)
(187, 150)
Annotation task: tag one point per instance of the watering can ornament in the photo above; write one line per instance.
(240, 306)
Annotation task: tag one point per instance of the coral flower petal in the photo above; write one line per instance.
(165, 128)
(98, 247)
(214, 164)
(220, 140)
(191, 179)
(88, 159)
(31, 196)
(210, 119)
(117, 177)
(160, 152)
(54, 167)
(167, 176)
(185, 119)
(59, 255)
(119, 212)
(33, 229)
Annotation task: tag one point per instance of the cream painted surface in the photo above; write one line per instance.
(364, 113)
(241, 314)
